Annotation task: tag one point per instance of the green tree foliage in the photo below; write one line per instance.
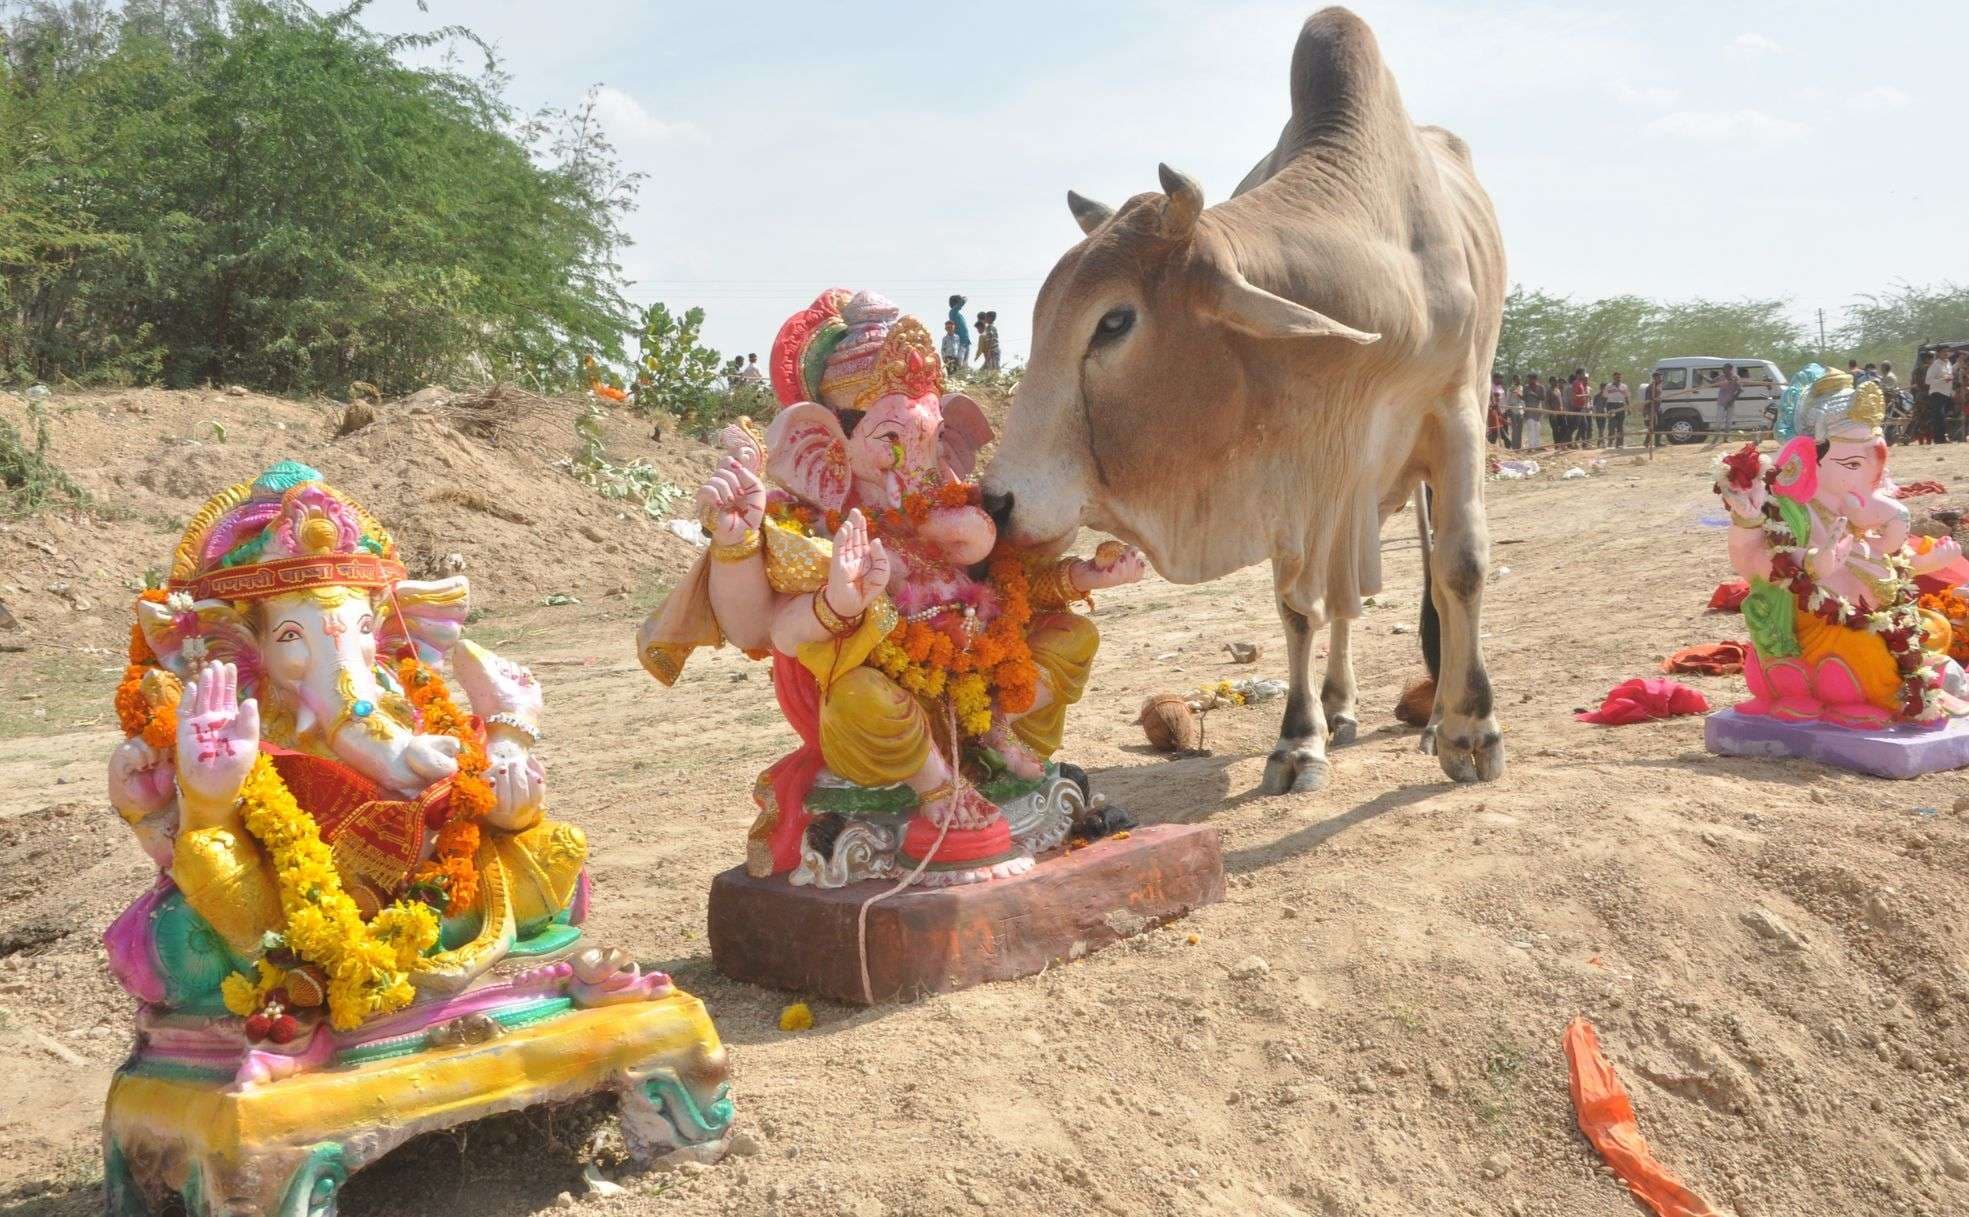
(1889, 325)
(1544, 333)
(254, 191)
(675, 372)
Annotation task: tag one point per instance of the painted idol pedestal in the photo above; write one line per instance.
(925, 940)
(1892, 752)
(199, 1121)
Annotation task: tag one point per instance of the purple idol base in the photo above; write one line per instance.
(1898, 752)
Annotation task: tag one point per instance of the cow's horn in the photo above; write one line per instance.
(1087, 213)
(1185, 203)
(1257, 312)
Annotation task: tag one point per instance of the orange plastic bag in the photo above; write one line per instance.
(1606, 1116)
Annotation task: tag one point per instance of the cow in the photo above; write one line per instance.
(1272, 377)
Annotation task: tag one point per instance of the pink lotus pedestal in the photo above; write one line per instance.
(1895, 752)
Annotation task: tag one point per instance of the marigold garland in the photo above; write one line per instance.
(1951, 605)
(158, 725)
(929, 662)
(453, 863)
(368, 964)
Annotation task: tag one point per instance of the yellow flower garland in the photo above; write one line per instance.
(368, 963)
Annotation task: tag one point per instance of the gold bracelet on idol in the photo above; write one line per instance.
(741, 549)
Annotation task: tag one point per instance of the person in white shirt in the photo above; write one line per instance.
(1939, 384)
(1615, 394)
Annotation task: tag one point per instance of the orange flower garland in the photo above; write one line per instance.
(929, 662)
(454, 856)
(1951, 605)
(158, 725)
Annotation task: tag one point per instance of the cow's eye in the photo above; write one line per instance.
(1115, 323)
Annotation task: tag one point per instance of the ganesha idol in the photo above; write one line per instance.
(926, 671)
(1838, 636)
(364, 925)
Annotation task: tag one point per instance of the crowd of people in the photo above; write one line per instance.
(1531, 412)
(957, 340)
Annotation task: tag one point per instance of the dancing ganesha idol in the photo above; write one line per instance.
(1837, 634)
(344, 855)
(929, 697)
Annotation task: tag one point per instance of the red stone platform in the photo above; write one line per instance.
(935, 940)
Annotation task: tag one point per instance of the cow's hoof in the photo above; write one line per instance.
(1296, 771)
(1341, 730)
(1427, 744)
(1476, 755)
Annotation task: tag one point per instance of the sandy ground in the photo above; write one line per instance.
(1421, 946)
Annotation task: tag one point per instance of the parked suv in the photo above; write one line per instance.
(1688, 395)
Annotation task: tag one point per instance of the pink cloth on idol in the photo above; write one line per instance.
(1643, 700)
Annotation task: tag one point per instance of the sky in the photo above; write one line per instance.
(1668, 148)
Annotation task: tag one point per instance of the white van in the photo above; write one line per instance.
(1688, 395)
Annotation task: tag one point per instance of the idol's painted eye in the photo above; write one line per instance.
(1114, 323)
(368, 625)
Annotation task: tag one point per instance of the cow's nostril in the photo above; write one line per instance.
(998, 507)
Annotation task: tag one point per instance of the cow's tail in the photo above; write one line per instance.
(1431, 626)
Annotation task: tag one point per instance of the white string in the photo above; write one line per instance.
(956, 797)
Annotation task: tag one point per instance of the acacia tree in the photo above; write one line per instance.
(255, 191)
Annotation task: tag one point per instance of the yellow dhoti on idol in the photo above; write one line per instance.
(873, 732)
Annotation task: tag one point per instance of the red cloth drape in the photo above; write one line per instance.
(1729, 597)
(792, 776)
(1640, 701)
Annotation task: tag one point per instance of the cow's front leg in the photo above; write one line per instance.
(1337, 691)
(1298, 761)
(1464, 732)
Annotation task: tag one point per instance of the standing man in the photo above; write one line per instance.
(988, 341)
(1728, 389)
(1962, 392)
(953, 350)
(1651, 410)
(1582, 403)
(1494, 419)
(963, 331)
(1514, 413)
(1534, 412)
(1616, 395)
(1940, 387)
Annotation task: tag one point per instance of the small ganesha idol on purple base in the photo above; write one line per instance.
(1838, 636)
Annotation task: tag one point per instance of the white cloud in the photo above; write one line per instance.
(627, 122)
(1754, 44)
(1653, 98)
(1717, 126)
(1878, 100)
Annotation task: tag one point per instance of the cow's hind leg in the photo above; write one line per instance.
(1466, 738)
(1337, 690)
(1298, 761)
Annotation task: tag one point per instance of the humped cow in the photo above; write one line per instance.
(1274, 376)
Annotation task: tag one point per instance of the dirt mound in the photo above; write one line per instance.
(474, 483)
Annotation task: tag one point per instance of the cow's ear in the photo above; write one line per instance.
(1257, 312)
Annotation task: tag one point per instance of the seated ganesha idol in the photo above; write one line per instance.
(309, 790)
(1837, 633)
(927, 672)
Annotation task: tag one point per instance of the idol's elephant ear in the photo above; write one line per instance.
(965, 432)
(210, 631)
(807, 453)
(429, 614)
